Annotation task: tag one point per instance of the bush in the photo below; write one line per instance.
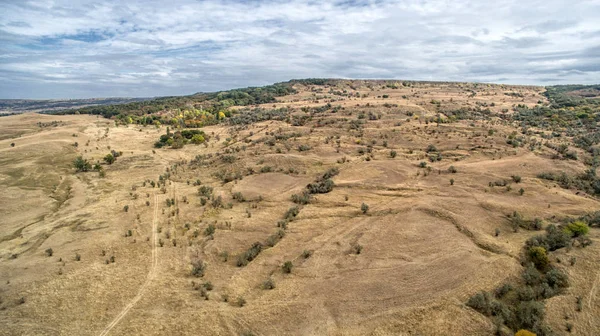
(205, 191)
(557, 279)
(303, 198)
(210, 230)
(49, 252)
(320, 187)
(539, 257)
(110, 159)
(481, 302)
(576, 229)
(249, 255)
(530, 315)
(126, 208)
(238, 197)
(268, 284)
(291, 213)
(393, 154)
(364, 208)
(287, 267)
(516, 178)
(81, 164)
(198, 267)
(431, 148)
(452, 170)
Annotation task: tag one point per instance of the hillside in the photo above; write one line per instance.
(311, 207)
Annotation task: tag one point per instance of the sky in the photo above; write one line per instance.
(119, 48)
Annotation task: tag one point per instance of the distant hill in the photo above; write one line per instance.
(15, 106)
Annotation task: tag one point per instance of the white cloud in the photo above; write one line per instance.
(148, 48)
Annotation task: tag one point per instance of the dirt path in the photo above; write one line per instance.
(149, 277)
(593, 291)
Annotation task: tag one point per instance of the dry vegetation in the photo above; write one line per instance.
(354, 208)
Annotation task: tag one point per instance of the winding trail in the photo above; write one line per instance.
(149, 277)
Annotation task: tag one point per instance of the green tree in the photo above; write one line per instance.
(81, 164)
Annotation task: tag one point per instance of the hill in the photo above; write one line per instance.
(320, 206)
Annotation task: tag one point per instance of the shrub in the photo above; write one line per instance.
(198, 267)
(306, 254)
(452, 170)
(393, 154)
(205, 191)
(356, 248)
(287, 267)
(576, 229)
(422, 164)
(481, 302)
(77, 257)
(364, 208)
(126, 208)
(238, 197)
(303, 198)
(521, 191)
(451, 181)
(539, 257)
(524, 332)
(275, 238)
(530, 314)
(110, 159)
(240, 302)
(249, 255)
(49, 252)
(431, 148)
(320, 187)
(268, 284)
(210, 230)
(291, 213)
(81, 164)
(516, 178)
(557, 279)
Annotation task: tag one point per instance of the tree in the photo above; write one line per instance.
(364, 208)
(81, 164)
(109, 158)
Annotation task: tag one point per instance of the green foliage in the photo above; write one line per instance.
(576, 229)
(198, 267)
(364, 208)
(287, 267)
(210, 230)
(539, 257)
(109, 158)
(249, 255)
(81, 164)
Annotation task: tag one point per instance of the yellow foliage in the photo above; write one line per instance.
(524, 332)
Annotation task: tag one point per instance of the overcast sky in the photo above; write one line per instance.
(79, 49)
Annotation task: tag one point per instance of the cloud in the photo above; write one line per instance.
(91, 48)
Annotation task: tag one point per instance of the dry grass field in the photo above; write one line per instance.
(123, 249)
